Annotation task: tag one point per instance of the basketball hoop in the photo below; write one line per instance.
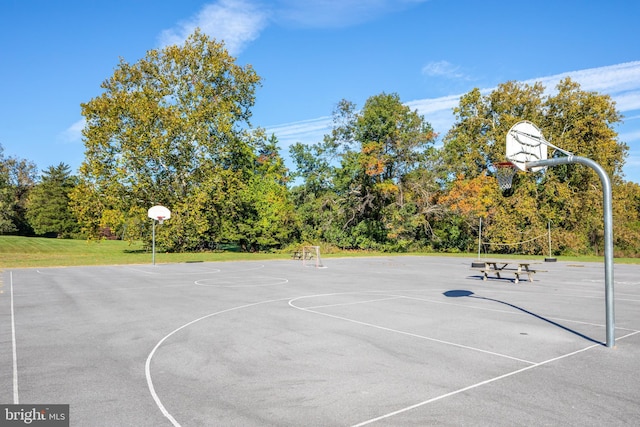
(159, 213)
(156, 213)
(505, 171)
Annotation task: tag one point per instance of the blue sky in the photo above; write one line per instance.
(311, 54)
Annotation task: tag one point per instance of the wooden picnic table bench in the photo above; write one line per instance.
(496, 268)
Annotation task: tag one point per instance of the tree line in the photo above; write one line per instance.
(175, 129)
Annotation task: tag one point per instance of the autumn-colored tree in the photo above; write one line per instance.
(476, 140)
(569, 197)
(626, 219)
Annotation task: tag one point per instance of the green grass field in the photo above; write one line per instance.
(28, 252)
(25, 252)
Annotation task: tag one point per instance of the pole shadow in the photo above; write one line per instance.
(458, 293)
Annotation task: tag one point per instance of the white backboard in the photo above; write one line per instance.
(525, 144)
(159, 211)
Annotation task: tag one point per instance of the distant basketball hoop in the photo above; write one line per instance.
(505, 171)
(157, 213)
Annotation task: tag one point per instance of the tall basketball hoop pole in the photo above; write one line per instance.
(157, 213)
(526, 149)
(608, 229)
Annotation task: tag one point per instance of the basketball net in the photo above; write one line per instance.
(505, 171)
(160, 219)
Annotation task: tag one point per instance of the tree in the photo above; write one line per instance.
(569, 196)
(17, 177)
(173, 129)
(626, 218)
(358, 187)
(48, 210)
(476, 140)
(270, 218)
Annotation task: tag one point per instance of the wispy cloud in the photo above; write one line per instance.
(621, 82)
(628, 101)
(633, 135)
(236, 22)
(239, 22)
(73, 133)
(610, 79)
(305, 131)
(443, 69)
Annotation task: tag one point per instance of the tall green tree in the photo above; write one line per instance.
(270, 218)
(48, 210)
(358, 189)
(17, 178)
(173, 128)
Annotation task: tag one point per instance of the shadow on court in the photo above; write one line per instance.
(469, 294)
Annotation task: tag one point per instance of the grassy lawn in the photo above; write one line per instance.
(26, 252)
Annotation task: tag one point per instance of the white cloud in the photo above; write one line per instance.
(621, 82)
(433, 105)
(239, 22)
(236, 22)
(628, 101)
(630, 136)
(443, 69)
(73, 133)
(609, 79)
(306, 131)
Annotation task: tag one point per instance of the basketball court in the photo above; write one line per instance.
(380, 341)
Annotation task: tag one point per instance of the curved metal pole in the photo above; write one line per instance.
(608, 231)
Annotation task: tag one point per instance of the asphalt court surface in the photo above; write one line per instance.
(386, 341)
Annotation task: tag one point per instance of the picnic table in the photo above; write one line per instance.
(515, 267)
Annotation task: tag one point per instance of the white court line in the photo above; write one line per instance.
(16, 399)
(147, 366)
(229, 282)
(397, 331)
(353, 303)
(174, 422)
(462, 390)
